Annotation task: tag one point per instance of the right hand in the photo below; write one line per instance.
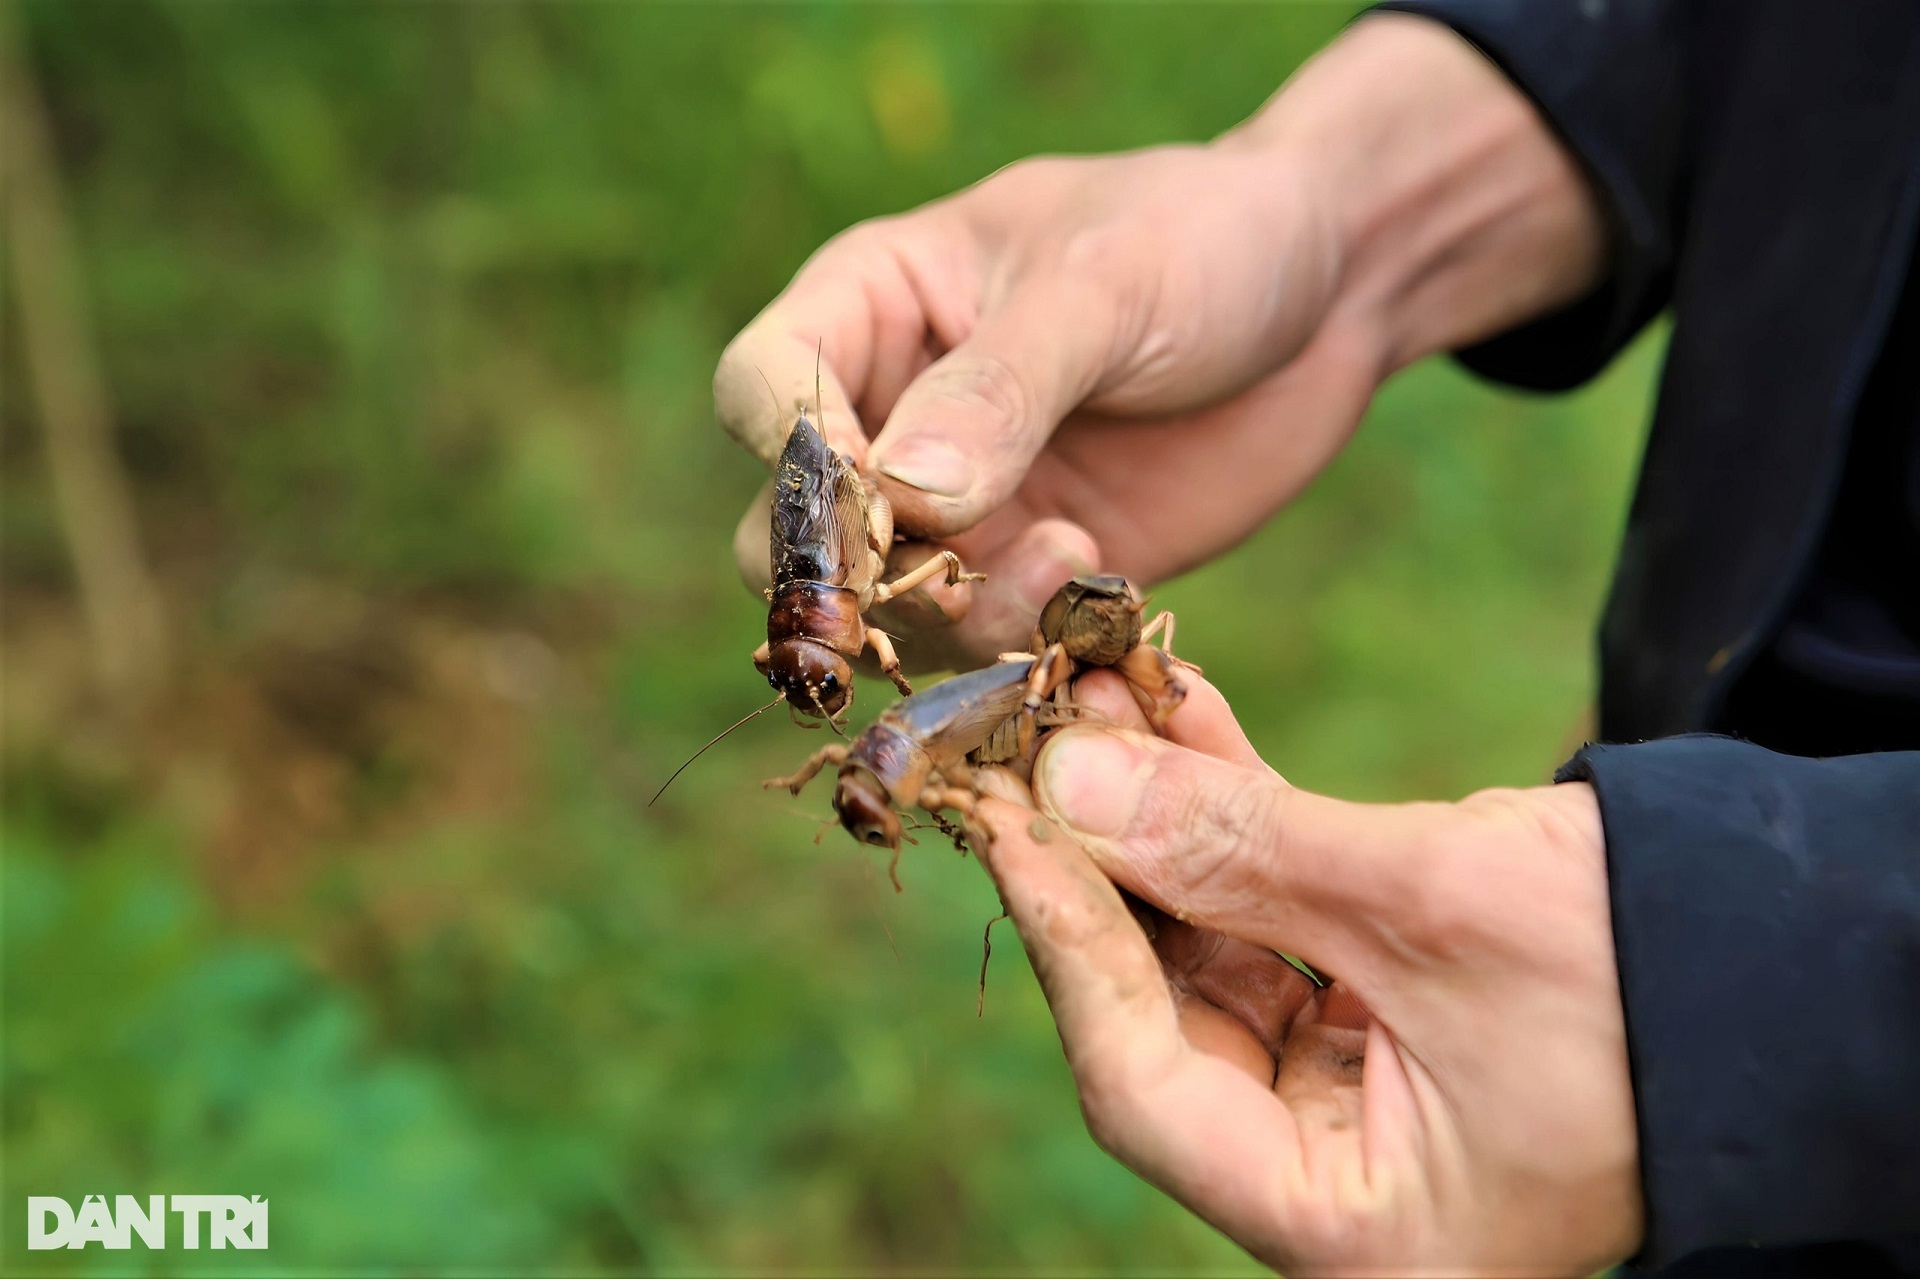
(1126, 363)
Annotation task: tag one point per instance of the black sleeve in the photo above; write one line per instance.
(1607, 75)
(1766, 916)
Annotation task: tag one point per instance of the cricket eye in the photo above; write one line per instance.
(829, 684)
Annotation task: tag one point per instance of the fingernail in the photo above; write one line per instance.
(932, 466)
(1091, 781)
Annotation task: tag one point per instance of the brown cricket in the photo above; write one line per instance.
(832, 529)
(921, 751)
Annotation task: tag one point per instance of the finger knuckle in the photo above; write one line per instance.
(1108, 275)
(1105, 1123)
(1110, 1105)
(989, 386)
(1075, 924)
(1100, 254)
(1205, 832)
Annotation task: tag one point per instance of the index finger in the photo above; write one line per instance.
(766, 377)
(1178, 1116)
(842, 340)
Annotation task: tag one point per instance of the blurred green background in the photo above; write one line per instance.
(405, 315)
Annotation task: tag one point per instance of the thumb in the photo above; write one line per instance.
(1227, 847)
(961, 437)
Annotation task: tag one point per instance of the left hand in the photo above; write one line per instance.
(1459, 1100)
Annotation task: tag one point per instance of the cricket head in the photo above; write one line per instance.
(865, 810)
(813, 678)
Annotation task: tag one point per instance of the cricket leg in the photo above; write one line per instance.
(950, 787)
(835, 754)
(1050, 670)
(952, 831)
(889, 660)
(937, 797)
(879, 518)
(1025, 730)
(926, 572)
(1150, 677)
(1164, 622)
(1163, 626)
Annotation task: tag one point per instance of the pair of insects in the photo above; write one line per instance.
(831, 531)
(922, 751)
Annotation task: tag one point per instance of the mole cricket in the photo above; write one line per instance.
(832, 529)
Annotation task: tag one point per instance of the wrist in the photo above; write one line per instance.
(1570, 811)
(1448, 209)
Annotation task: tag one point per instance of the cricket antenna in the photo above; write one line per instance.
(778, 414)
(819, 407)
(703, 750)
(832, 723)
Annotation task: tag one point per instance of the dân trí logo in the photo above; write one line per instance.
(232, 1221)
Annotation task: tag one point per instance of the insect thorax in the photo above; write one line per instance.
(828, 615)
(900, 764)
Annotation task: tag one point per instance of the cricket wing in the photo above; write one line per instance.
(958, 715)
(819, 512)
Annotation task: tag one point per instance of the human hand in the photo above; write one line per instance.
(1126, 363)
(1458, 1101)
(1143, 298)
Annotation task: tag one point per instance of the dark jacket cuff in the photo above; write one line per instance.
(1766, 916)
